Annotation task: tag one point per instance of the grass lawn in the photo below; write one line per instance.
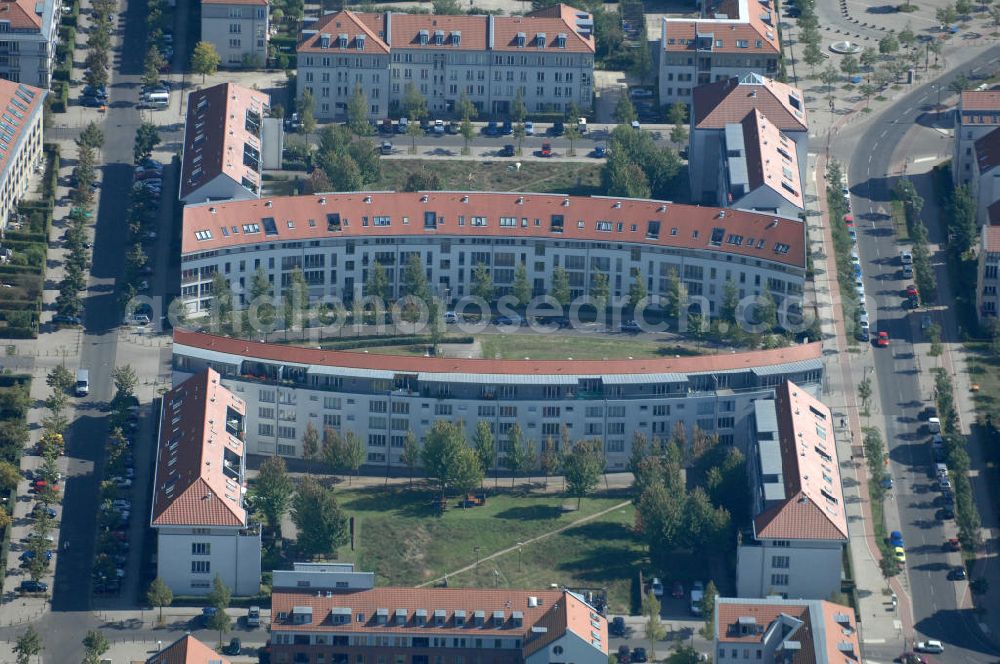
(403, 539)
(557, 347)
(578, 178)
(899, 223)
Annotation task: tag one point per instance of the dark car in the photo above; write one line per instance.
(617, 626)
(41, 509)
(624, 654)
(639, 655)
(99, 92)
(599, 152)
(557, 129)
(491, 128)
(946, 513)
(958, 574)
(63, 319)
(506, 151)
(793, 12)
(508, 128)
(385, 127)
(33, 587)
(452, 128)
(91, 102)
(631, 326)
(234, 647)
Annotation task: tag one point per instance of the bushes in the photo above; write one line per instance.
(59, 99)
(966, 514)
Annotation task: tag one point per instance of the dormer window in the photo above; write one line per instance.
(460, 618)
(342, 40)
(359, 42)
(456, 38)
(519, 39)
(439, 37)
(540, 40)
(324, 41)
(400, 616)
(424, 35)
(561, 40)
(498, 619)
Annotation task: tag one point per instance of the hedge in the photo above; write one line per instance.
(60, 96)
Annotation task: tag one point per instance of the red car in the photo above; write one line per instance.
(883, 340)
(546, 149)
(678, 590)
(911, 291)
(849, 219)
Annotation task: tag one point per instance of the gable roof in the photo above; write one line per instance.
(981, 100)
(187, 650)
(988, 151)
(218, 136)
(730, 100)
(772, 159)
(349, 23)
(728, 26)
(198, 458)
(507, 28)
(22, 14)
(19, 105)
(813, 506)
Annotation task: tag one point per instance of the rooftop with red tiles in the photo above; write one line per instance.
(730, 100)
(18, 104)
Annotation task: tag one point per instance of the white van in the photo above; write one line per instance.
(82, 382)
(934, 425)
(581, 125)
(155, 100)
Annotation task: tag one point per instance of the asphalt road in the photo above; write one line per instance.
(935, 602)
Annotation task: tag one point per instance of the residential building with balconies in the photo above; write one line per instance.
(988, 270)
(799, 526)
(985, 184)
(546, 58)
(238, 29)
(22, 107)
(199, 512)
(978, 114)
(28, 38)
(731, 39)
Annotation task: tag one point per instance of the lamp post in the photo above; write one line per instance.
(476, 549)
(519, 545)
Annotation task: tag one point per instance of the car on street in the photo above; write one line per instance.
(677, 592)
(624, 654)
(639, 93)
(617, 626)
(506, 151)
(911, 291)
(514, 321)
(656, 587)
(946, 514)
(930, 646)
(253, 617)
(631, 326)
(450, 317)
(957, 574)
(529, 128)
(507, 129)
(546, 150)
(438, 127)
(234, 647)
(952, 544)
(900, 554)
(386, 147)
(556, 129)
(63, 319)
(91, 102)
(30, 586)
(883, 339)
(600, 152)
(896, 538)
(639, 655)
(491, 128)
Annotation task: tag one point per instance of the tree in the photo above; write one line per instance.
(411, 453)
(415, 278)
(446, 7)
(485, 445)
(572, 134)
(812, 55)
(869, 56)
(637, 290)
(91, 136)
(655, 629)
(440, 453)
(560, 286)
(482, 282)
(357, 113)
(261, 289)
(582, 466)
(205, 59)
(307, 111)
(888, 44)
(677, 114)
(907, 37)
(147, 137)
(468, 133)
(963, 7)
(95, 645)
(295, 299)
(962, 210)
(219, 598)
(414, 104)
(600, 290)
(934, 336)
(467, 474)
(829, 77)
(273, 491)
(159, 595)
(624, 110)
(679, 133)
(414, 130)
(377, 285)
(152, 66)
(708, 609)
(435, 318)
(353, 454)
(310, 442)
(321, 524)
(521, 289)
(331, 448)
(865, 393)
(994, 16)
(10, 475)
(28, 644)
(125, 381)
(60, 378)
(548, 462)
(520, 453)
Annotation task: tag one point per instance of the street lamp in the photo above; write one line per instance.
(476, 549)
(519, 545)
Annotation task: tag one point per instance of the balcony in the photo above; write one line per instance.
(235, 424)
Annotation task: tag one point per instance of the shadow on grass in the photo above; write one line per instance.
(531, 513)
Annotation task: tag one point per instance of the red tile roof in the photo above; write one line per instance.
(216, 134)
(188, 650)
(506, 30)
(730, 100)
(191, 487)
(991, 235)
(980, 100)
(988, 151)
(556, 610)
(350, 23)
(625, 220)
(772, 159)
(18, 104)
(727, 625)
(403, 363)
(814, 497)
(728, 22)
(22, 14)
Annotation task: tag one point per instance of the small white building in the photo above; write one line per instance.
(224, 144)
(799, 523)
(238, 29)
(199, 509)
(732, 38)
(20, 142)
(978, 114)
(726, 102)
(785, 631)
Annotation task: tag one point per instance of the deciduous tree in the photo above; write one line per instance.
(582, 467)
(205, 59)
(159, 595)
(321, 524)
(273, 491)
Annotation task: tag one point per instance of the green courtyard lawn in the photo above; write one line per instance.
(579, 347)
(405, 541)
(578, 178)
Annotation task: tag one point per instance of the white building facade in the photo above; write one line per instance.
(238, 29)
(28, 38)
(381, 398)
(546, 58)
(199, 510)
(977, 115)
(20, 143)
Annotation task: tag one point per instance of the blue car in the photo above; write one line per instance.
(29, 555)
(895, 538)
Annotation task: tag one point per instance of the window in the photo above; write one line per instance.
(201, 548)
(201, 567)
(779, 579)
(779, 562)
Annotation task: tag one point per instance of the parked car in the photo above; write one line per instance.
(639, 655)
(624, 654)
(529, 128)
(438, 127)
(958, 574)
(30, 586)
(557, 129)
(617, 626)
(234, 647)
(491, 128)
(677, 592)
(63, 319)
(507, 129)
(930, 646)
(600, 152)
(631, 326)
(253, 617)
(386, 147)
(883, 339)
(952, 544)
(656, 587)
(506, 151)
(546, 150)
(896, 538)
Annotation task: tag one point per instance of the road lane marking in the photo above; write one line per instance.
(882, 135)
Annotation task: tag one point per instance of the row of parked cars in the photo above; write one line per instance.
(115, 508)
